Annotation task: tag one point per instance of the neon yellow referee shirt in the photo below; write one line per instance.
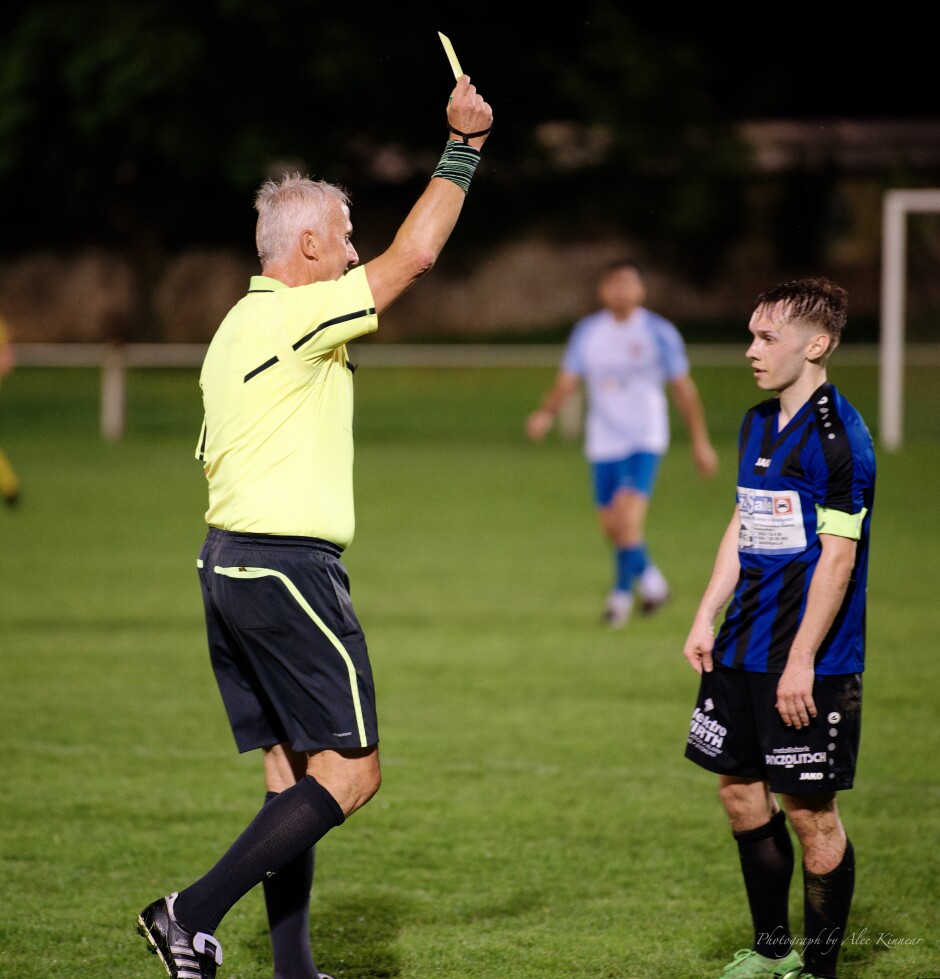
(276, 443)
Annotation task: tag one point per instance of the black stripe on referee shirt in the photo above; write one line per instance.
(296, 346)
(339, 319)
(202, 444)
(258, 370)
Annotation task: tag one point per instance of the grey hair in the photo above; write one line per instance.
(288, 206)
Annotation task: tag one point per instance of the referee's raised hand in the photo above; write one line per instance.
(470, 117)
(424, 232)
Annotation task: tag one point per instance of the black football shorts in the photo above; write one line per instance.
(736, 730)
(286, 647)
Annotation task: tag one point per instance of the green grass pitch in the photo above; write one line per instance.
(537, 818)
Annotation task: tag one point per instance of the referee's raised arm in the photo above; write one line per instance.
(425, 230)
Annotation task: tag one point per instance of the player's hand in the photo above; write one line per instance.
(795, 703)
(538, 424)
(706, 459)
(468, 113)
(698, 647)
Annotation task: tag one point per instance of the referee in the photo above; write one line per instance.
(286, 647)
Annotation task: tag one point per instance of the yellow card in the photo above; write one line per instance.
(451, 57)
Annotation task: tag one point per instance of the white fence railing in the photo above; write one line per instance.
(115, 360)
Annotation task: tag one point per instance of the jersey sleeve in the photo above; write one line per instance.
(321, 317)
(672, 349)
(843, 467)
(840, 524)
(572, 362)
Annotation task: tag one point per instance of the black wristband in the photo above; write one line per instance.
(468, 136)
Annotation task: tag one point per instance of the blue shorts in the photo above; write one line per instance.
(286, 647)
(636, 473)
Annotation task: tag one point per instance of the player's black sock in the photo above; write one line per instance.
(767, 864)
(281, 831)
(826, 902)
(287, 901)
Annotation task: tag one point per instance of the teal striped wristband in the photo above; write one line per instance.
(458, 164)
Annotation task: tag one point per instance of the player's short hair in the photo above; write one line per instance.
(288, 206)
(817, 301)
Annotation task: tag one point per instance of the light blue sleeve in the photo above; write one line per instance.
(573, 360)
(671, 346)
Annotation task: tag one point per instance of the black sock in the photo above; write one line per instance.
(826, 902)
(281, 831)
(767, 864)
(287, 901)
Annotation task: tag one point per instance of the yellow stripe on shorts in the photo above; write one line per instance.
(249, 573)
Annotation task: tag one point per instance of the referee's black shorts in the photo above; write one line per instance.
(736, 730)
(286, 647)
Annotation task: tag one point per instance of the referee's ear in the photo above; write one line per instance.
(309, 242)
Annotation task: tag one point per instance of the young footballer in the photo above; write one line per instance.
(627, 357)
(286, 646)
(779, 703)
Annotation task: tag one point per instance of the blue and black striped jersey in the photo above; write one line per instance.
(816, 475)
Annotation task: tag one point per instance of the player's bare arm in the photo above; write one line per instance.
(826, 591)
(429, 224)
(720, 588)
(539, 423)
(689, 404)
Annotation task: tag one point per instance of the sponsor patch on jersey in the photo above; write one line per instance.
(771, 522)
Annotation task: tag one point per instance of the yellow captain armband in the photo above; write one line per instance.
(840, 524)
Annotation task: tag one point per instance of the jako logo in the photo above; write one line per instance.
(810, 776)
